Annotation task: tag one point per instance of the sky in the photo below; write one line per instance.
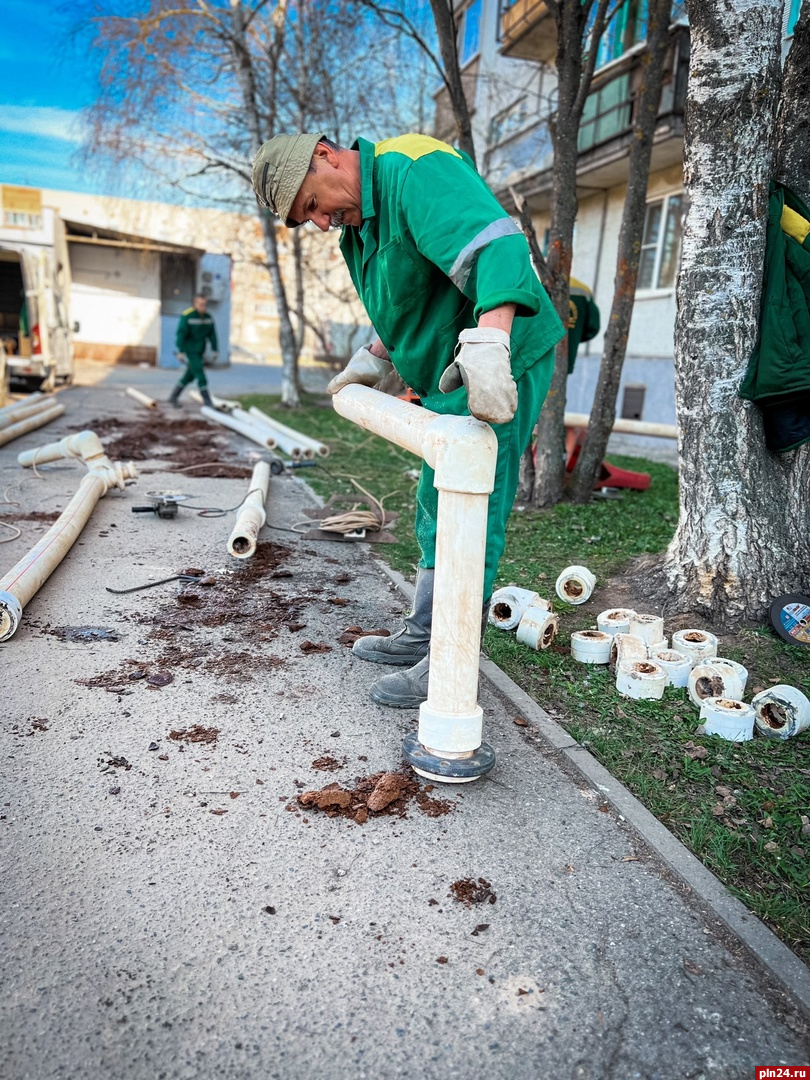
(44, 86)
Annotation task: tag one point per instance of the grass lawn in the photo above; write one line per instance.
(742, 808)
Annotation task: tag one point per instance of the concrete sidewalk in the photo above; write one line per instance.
(173, 912)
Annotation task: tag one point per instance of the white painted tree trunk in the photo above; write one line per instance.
(742, 535)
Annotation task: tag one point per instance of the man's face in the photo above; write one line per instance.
(200, 304)
(331, 196)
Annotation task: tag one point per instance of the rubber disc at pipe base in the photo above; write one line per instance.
(790, 618)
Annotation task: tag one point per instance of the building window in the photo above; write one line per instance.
(469, 33)
(633, 401)
(661, 245)
(606, 113)
(22, 220)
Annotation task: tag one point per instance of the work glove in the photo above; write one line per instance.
(482, 364)
(213, 357)
(364, 368)
(181, 356)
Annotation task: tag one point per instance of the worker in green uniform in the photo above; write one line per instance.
(195, 329)
(583, 324)
(446, 278)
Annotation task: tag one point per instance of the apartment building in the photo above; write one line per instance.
(507, 49)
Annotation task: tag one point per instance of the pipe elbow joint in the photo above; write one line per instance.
(462, 452)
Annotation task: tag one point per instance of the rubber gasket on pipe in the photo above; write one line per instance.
(699, 644)
(781, 712)
(591, 646)
(677, 665)
(626, 647)
(615, 620)
(537, 628)
(641, 679)
(650, 628)
(713, 680)
(730, 719)
(575, 584)
(510, 604)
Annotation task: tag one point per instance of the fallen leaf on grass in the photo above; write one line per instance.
(771, 846)
(718, 810)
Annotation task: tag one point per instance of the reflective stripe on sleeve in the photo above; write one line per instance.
(462, 268)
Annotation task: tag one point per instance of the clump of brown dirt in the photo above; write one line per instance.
(309, 647)
(467, 891)
(382, 794)
(190, 441)
(352, 633)
(327, 763)
(196, 734)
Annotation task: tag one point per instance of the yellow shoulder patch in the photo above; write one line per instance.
(413, 146)
(578, 287)
(794, 224)
(188, 310)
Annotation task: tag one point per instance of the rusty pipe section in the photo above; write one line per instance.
(251, 516)
(462, 451)
(33, 570)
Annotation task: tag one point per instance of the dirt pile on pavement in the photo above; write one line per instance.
(382, 794)
(181, 441)
(468, 891)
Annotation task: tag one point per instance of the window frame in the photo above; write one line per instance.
(461, 32)
(655, 290)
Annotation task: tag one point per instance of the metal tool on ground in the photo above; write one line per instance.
(152, 584)
(163, 504)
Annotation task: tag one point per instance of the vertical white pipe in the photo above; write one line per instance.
(251, 516)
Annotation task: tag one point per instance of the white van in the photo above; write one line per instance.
(34, 324)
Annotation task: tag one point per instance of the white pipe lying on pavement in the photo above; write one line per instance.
(462, 452)
(30, 423)
(142, 399)
(292, 447)
(251, 516)
(23, 409)
(34, 569)
(24, 403)
(251, 431)
(318, 448)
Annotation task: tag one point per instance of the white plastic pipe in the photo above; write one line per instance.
(591, 646)
(24, 403)
(250, 431)
(575, 584)
(510, 604)
(29, 574)
(305, 441)
(728, 718)
(628, 427)
(538, 627)
(142, 399)
(251, 516)
(22, 409)
(288, 445)
(782, 711)
(615, 620)
(462, 452)
(30, 423)
(221, 403)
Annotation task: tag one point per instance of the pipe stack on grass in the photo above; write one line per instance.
(306, 442)
(250, 431)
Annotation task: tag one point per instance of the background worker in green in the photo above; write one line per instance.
(195, 329)
(445, 276)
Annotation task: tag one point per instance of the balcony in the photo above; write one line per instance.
(520, 155)
(528, 31)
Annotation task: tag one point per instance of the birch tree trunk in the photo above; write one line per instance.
(603, 411)
(741, 535)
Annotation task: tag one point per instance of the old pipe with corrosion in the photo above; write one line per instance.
(33, 570)
(251, 516)
(462, 452)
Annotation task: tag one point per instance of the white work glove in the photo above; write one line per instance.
(482, 365)
(181, 356)
(364, 368)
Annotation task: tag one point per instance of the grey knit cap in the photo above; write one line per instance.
(279, 169)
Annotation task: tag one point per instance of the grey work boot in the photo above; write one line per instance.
(408, 689)
(410, 643)
(174, 397)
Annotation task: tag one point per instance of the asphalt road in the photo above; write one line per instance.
(169, 910)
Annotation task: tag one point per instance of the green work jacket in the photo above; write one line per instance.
(193, 331)
(434, 252)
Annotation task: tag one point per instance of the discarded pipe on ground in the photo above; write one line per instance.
(728, 718)
(510, 604)
(650, 628)
(251, 516)
(250, 431)
(640, 679)
(30, 423)
(781, 711)
(283, 442)
(626, 647)
(591, 646)
(33, 570)
(19, 410)
(741, 671)
(538, 627)
(627, 427)
(615, 620)
(142, 399)
(462, 451)
(575, 584)
(677, 665)
(699, 644)
(306, 441)
(713, 680)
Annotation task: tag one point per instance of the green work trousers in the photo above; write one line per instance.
(513, 438)
(194, 370)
